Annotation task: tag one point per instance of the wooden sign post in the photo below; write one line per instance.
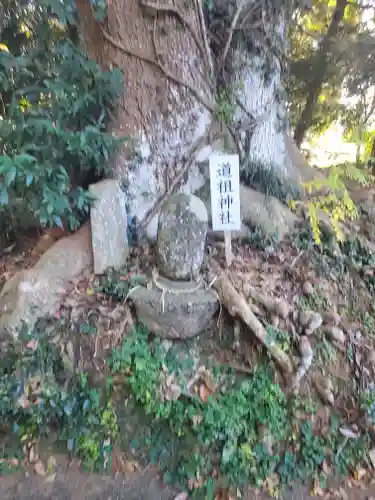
(225, 197)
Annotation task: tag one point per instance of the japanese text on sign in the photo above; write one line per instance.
(225, 192)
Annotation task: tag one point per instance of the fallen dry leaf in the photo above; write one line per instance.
(343, 494)
(195, 484)
(39, 468)
(50, 478)
(204, 392)
(223, 495)
(181, 496)
(121, 465)
(359, 473)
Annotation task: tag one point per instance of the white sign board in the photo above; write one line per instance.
(225, 192)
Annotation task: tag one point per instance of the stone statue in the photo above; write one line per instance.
(177, 304)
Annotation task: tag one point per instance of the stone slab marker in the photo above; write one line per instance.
(108, 226)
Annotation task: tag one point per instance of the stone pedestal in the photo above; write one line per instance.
(181, 311)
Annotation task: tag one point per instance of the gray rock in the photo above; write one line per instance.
(108, 226)
(307, 288)
(183, 311)
(310, 321)
(181, 237)
(331, 318)
(258, 211)
(34, 293)
(335, 333)
(266, 213)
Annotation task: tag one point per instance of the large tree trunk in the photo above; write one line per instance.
(322, 58)
(170, 108)
(167, 104)
(257, 85)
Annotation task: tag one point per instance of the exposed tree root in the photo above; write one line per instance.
(237, 306)
(272, 305)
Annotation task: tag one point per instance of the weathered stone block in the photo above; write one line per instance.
(108, 226)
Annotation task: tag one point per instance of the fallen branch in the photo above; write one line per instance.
(237, 306)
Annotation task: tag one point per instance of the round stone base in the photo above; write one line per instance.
(174, 309)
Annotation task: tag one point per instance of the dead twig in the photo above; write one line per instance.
(296, 258)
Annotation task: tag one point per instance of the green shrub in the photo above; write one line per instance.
(34, 402)
(55, 104)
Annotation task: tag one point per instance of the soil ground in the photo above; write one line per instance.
(75, 485)
(70, 483)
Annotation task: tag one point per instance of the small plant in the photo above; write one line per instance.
(315, 301)
(305, 403)
(367, 403)
(337, 204)
(337, 258)
(240, 434)
(117, 284)
(226, 426)
(34, 404)
(260, 240)
(282, 338)
(325, 352)
(313, 451)
(225, 109)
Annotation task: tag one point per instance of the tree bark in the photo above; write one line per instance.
(257, 92)
(322, 57)
(167, 105)
(254, 48)
(170, 105)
